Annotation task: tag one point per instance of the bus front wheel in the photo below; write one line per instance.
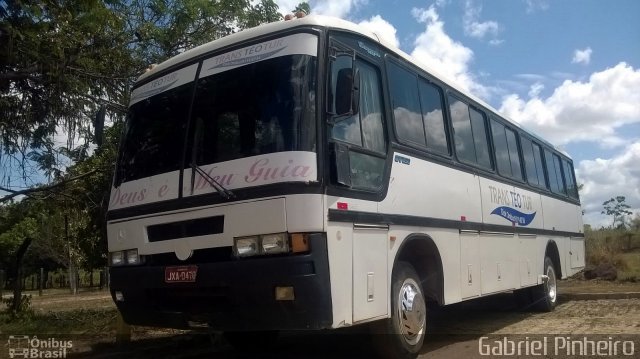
(402, 335)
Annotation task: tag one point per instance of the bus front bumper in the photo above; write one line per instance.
(233, 295)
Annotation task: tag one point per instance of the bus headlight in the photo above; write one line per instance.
(127, 257)
(246, 246)
(263, 244)
(275, 243)
(132, 256)
(116, 258)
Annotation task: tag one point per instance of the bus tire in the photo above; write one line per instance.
(402, 335)
(545, 296)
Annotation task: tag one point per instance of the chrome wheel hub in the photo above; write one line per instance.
(411, 312)
(551, 284)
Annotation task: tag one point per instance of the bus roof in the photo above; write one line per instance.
(327, 22)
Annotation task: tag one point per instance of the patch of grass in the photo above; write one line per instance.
(632, 271)
(605, 247)
(616, 247)
(83, 321)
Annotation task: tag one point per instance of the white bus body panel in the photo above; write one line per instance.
(475, 263)
(274, 215)
(427, 189)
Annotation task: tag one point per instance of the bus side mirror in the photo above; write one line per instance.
(98, 125)
(348, 92)
(344, 94)
(342, 169)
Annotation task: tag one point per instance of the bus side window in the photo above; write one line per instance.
(537, 156)
(561, 183)
(503, 163)
(463, 136)
(365, 132)
(555, 173)
(470, 134)
(530, 162)
(433, 117)
(403, 87)
(570, 179)
(514, 154)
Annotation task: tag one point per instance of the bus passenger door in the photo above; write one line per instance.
(370, 299)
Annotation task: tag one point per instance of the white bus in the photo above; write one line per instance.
(303, 174)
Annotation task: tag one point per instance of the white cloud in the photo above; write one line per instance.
(582, 56)
(535, 89)
(533, 5)
(385, 31)
(607, 178)
(474, 28)
(337, 8)
(438, 51)
(583, 111)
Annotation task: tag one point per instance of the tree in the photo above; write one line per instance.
(635, 223)
(61, 60)
(618, 209)
(303, 7)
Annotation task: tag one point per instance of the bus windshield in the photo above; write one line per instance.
(265, 107)
(262, 107)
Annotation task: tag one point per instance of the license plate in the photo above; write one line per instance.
(180, 274)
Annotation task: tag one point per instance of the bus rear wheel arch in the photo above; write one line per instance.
(421, 253)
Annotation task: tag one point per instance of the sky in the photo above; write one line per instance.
(567, 70)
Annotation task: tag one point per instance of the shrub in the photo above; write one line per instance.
(605, 247)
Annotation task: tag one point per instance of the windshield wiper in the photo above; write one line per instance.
(225, 193)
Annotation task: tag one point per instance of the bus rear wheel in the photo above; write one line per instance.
(545, 296)
(402, 335)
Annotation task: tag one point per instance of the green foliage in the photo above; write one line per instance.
(16, 224)
(61, 60)
(23, 310)
(57, 59)
(618, 209)
(303, 7)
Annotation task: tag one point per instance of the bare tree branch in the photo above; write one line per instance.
(28, 191)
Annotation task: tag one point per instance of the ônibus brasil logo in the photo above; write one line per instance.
(23, 346)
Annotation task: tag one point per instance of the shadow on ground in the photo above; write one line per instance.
(447, 326)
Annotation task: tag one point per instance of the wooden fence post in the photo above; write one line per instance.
(41, 286)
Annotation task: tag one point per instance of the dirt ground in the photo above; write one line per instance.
(453, 331)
